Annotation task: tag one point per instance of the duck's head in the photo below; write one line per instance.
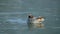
(30, 16)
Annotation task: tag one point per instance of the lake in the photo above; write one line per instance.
(13, 16)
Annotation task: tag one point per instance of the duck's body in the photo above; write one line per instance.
(34, 22)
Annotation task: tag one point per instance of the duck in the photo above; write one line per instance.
(35, 22)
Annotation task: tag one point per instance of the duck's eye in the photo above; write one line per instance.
(30, 16)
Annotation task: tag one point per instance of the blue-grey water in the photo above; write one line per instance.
(13, 16)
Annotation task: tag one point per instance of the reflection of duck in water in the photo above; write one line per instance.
(35, 22)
